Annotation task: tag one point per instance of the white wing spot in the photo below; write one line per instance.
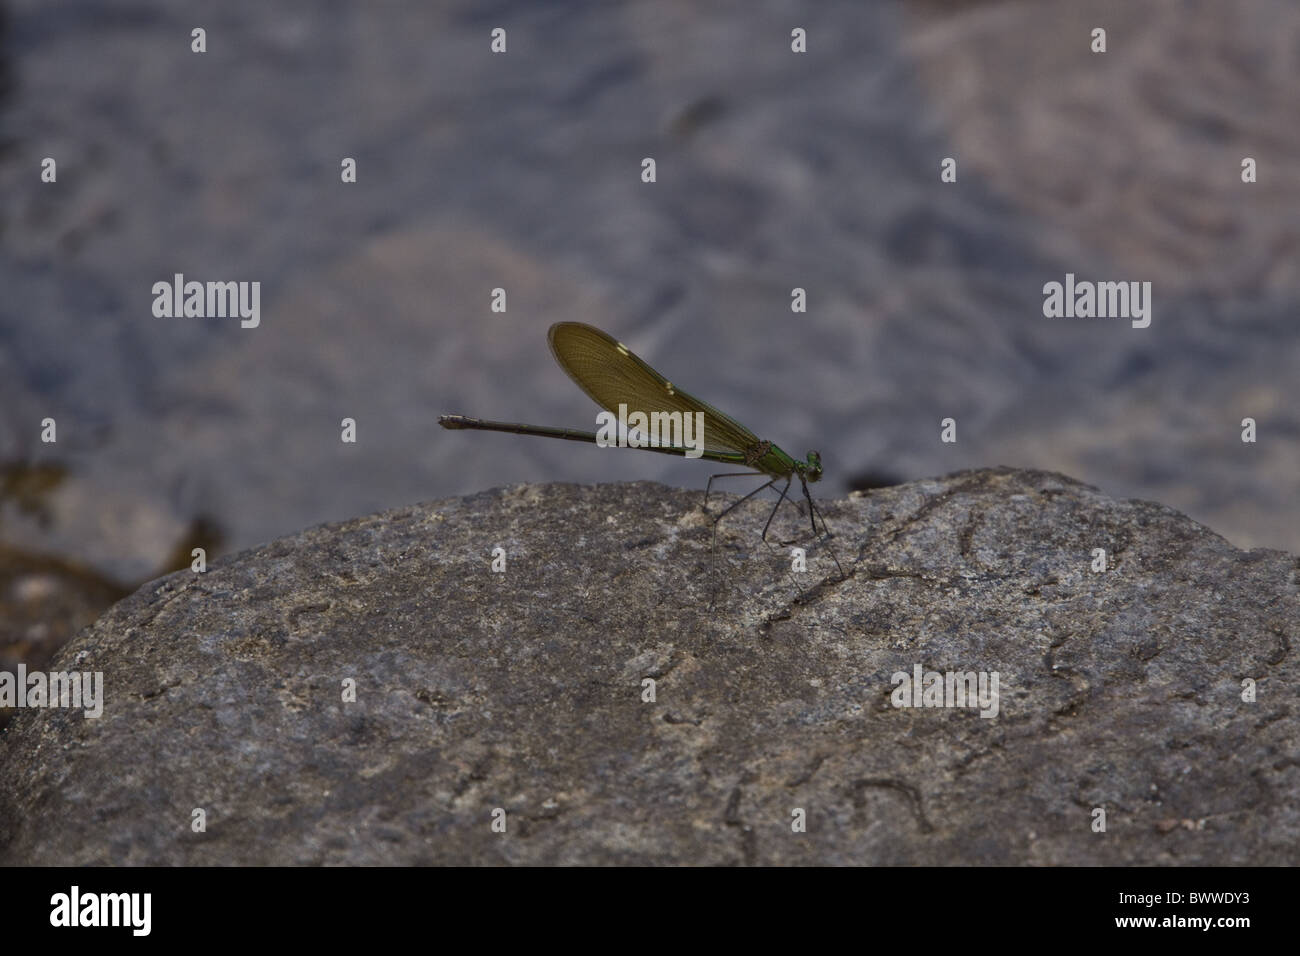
(622, 349)
(669, 386)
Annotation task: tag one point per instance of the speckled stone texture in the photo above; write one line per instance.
(524, 690)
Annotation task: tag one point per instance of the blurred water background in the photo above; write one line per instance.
(521, 170)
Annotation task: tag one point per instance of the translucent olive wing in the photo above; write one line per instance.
(610, 373)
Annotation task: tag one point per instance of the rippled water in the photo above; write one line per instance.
(522, 171)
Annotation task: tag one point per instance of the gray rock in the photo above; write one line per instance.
(523, 690)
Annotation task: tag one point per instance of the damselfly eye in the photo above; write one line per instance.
(814, 471)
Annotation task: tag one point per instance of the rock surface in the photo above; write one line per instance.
(523, 690)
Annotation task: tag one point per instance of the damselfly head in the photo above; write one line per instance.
(812, 470)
